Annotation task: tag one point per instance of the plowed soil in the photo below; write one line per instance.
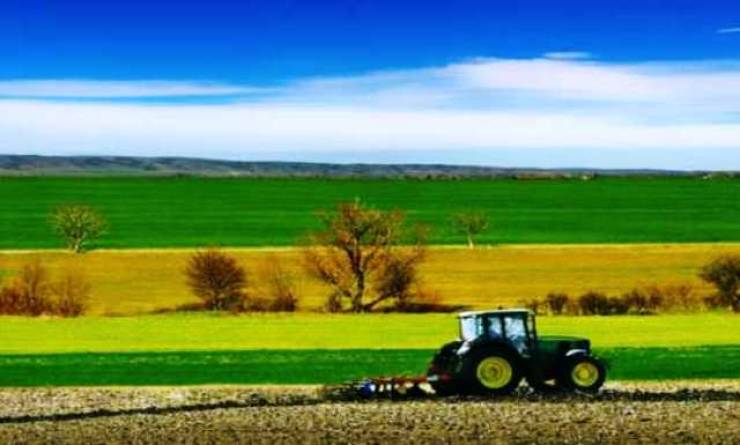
(672, 413)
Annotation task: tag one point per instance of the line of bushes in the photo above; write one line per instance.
(723, 273)
(32, 292)
(642, 300)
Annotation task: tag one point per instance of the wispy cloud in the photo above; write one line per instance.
(108, 89)
(479, 105)
(730, 30)
(567, 55)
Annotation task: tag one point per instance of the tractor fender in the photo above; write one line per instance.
(576, 353)
(486, 344)
(570, 354)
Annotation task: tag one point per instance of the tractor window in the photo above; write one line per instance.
(471, 328)
(494, 328)
(516, 332)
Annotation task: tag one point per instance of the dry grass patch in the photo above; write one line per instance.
(138, 281)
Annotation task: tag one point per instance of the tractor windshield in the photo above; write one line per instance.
(470, 328)
(516, 332)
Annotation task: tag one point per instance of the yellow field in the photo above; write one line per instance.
(138, 281)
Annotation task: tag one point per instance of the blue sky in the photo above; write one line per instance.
(528, 83)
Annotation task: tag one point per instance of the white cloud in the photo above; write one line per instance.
(728, 30)
(481, 105)
(116, 89)
(567, 55)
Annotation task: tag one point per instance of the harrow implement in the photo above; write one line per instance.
(396, 387)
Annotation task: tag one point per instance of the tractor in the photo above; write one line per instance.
(497, 349)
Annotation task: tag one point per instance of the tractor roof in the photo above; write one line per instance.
(494, 312)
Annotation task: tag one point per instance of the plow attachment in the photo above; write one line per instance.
(399, 387)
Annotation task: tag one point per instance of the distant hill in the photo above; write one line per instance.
(26, 165)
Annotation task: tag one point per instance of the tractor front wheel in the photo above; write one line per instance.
(491, 372)
(583, 373)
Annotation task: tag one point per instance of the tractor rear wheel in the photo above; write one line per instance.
(443, 362)
(444, 389)
(491, 372)
(583, 373)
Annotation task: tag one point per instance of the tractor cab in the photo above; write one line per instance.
(515, 327)
(497, 349)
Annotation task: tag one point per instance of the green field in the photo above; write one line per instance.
(321, 366)
(167, 212)
(319, 348)
(185, 332)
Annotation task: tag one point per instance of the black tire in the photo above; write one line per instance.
(444, 361)
(474, 372)
(444, 389)
(587, 366)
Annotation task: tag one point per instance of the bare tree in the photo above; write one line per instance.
(397, 277)
(470, 223)
(78, 225)
(724, 273)
(358, 245)
(217, 279)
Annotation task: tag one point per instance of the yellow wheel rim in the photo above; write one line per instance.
(494, 372)
(585, 374)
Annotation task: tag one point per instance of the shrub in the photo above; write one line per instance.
(556, 302)
(32, 286)
(70, 296)
(644, 300)
(724, 274)
(281, 288)
(713, 302)
(533, 304)
(31, 293)
(593, 303)
(618, 305)
(217, 279)
(254, 304)
(10, 301)
(681, 297)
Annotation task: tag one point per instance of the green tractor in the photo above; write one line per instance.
(497, 349)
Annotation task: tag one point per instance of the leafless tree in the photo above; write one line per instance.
(358, 255)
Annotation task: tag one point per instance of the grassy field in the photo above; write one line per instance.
(206, 332)
(320, 366)
(165, 212)
(311, 348)
(139, 281)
